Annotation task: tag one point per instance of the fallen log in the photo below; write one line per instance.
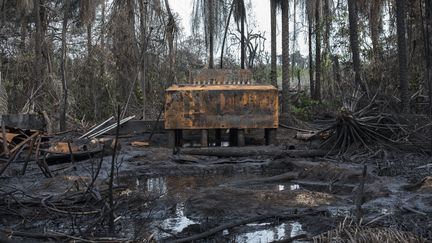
(295, 128)
(252, 151)
(289, 176)
(242, 222)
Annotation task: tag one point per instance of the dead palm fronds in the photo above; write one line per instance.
(352, 233)
(361, 129)
(210, 16)
(201, 19)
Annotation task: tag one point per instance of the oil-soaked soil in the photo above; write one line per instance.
(164, 196)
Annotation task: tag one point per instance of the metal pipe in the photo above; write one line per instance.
(111, 127)
(97, 127)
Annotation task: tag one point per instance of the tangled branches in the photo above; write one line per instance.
(350, 131)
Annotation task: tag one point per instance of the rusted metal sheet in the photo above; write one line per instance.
(221, 106)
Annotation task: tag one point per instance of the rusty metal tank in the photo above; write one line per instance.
(221, 106)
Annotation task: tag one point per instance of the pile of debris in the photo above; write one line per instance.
(24, 146)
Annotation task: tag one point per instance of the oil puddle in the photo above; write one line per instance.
(198, 145)
(172, 192)
(265, 232)
(275, 187)
(306, 185)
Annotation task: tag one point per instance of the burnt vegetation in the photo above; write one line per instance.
(133, 121)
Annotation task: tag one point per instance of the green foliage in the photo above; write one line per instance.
(303, 107)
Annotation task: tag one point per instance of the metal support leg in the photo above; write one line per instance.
(171, 138)
(179, 138)
(270, 136)
(218, 137)
(233, 136)
(204, 138)
(241, 137)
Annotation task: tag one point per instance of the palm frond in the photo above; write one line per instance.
(239, 10)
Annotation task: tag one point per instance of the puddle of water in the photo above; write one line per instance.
(291, 187)
(339, 211)
(275, 187)
(191, 145)
(177, 223)
(157, 185)
(278, 232)
(294, 187)
(198, 145)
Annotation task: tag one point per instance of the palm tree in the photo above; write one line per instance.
(24, 9)
(124, 45)
(226, 33)
(170, 31)
(273, 69)
(238, 7)
(209, 14)
(375, 26)
(38, 43)
(87, 17)
(240, 17)
(294, 41)
(66, 13)
(317, 89)
(211, 24)
(402, 54)
(87, 13)
(354, 42)
(285, 56)
(310, 5)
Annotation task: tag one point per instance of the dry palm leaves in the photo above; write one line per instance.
(349, 232)
(351, 131)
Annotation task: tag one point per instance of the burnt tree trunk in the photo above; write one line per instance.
(211, 32)
(354, 42)
(402, 54)
(170, 28)
(242, 38)
(374, 28)
(285, 57)
(38, 46)
(311, 67)
(293, 61)
(63, 112)
(143, 54)
(273, 69)
(225, 34)
(317, 89)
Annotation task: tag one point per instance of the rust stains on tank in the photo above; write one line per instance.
(221, 106)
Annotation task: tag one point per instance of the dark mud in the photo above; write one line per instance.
(164, 196)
